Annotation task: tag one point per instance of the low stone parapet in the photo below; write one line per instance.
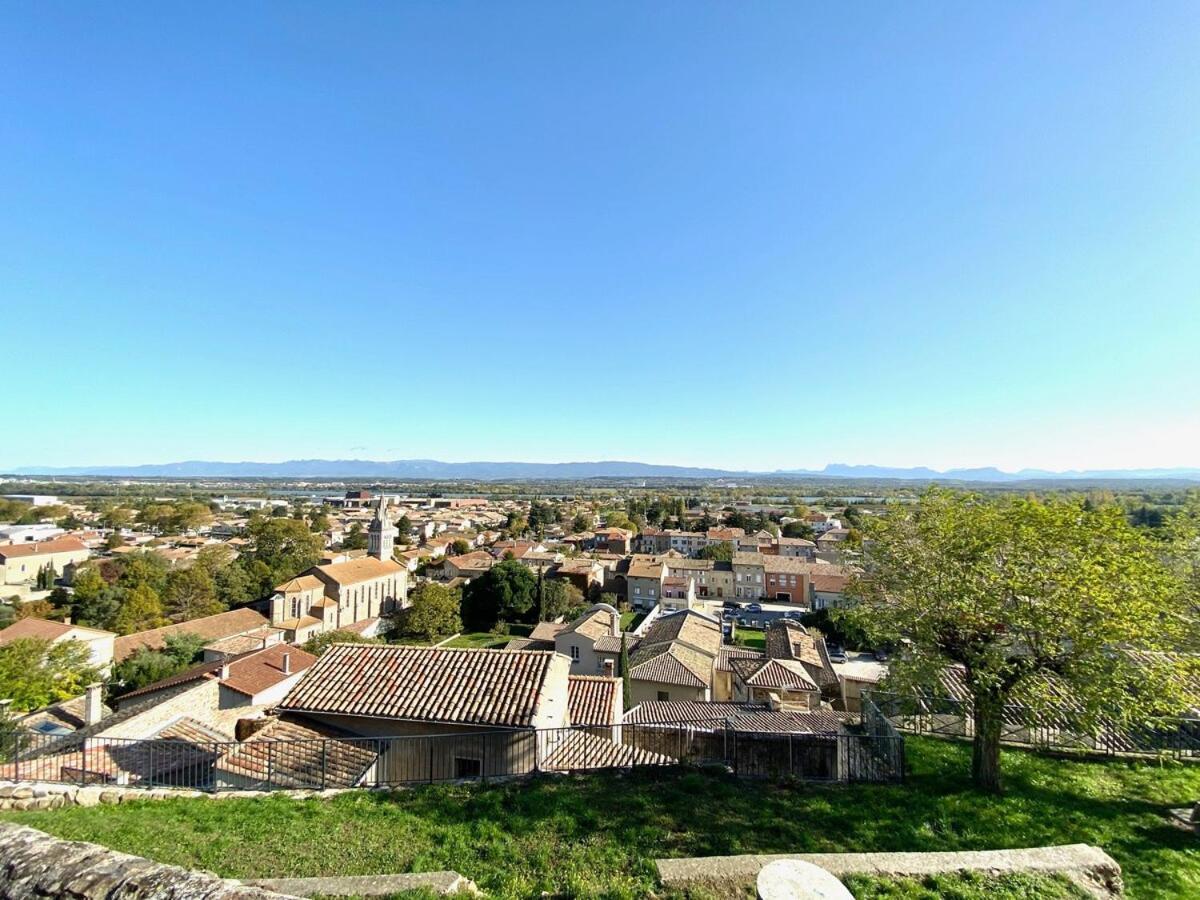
(1089, 867)
(36, 866)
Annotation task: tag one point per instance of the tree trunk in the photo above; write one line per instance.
(985, 755)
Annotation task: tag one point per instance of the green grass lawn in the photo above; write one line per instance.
(598, 835)
(480, 639)
(631, 620)
(749, 637)
(966, 886)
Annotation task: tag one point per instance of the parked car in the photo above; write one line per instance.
(754, 607)
(836, 653)
(729, 604)
(882, 654)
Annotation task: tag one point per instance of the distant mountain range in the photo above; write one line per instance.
(514, 471)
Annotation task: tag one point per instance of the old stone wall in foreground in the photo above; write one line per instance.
(35, 865)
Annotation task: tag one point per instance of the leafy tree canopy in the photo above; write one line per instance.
(35, 673)
(507, 592)
(1014, 590)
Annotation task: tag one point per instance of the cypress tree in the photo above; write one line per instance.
(623, 664)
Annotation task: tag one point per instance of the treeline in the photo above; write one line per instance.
(140, 590)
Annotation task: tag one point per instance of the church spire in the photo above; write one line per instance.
(381, 535)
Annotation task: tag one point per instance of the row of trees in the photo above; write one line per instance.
(140, 590)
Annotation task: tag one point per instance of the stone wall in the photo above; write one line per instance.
(35, 865)
(23, 795)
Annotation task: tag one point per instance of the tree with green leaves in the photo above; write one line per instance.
(95, 602)
(581, 522)
(507, 592)
(623, 665)
(319, 643)
(560, 599)
(1016, 592)
(404, 526)
(35, 673)
(146, 666)
(141, 611)
(435, 612)
(720, 551)
(355, 538)
(191, 593)
(283, 547)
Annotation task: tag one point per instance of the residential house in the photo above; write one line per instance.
(212, 628)
(748, 576)
(99, 644)
(652, 541)
(585, 573)
(787, 640)
(592, 642)
(828, 584)
(797, 548)
(689, 543)
(212, 696)
(493, 700)
(781, 683)
(643, 582)
(67, 716)
(786, 579)
(723, 669)
(614, 540)
(468, 565)
(675, 658)
(20, 563)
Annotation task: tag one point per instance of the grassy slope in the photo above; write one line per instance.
(598, 835)
(967, 886)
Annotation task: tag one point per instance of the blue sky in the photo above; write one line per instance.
(764, 235)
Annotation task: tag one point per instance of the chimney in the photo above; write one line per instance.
(66, 620)
(224, 671)
(93, 709)
(287, 664)
(608, 668)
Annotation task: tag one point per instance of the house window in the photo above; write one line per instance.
(467, 767)
(295, 607)
(664, 695)
(574, 653)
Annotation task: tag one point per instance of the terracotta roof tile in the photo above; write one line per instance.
(436, 684)
(593, 699)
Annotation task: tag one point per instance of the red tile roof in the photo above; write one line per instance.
(434, 684)
(38, 548)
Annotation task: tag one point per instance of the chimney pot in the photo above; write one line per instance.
(224, 671)
(66, 620)
(608, 668)
(287, 664)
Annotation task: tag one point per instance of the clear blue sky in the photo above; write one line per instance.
(740, 234)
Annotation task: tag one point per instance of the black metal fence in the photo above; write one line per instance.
(874, 754)
(1057, 730)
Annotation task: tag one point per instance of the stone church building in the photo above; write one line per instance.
(351, 595)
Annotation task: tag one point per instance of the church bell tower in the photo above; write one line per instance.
(381, 536)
